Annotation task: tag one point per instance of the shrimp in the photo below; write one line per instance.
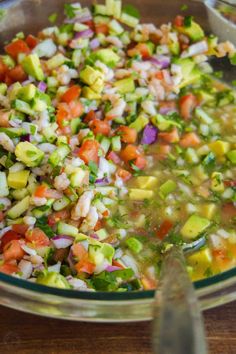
(82, 207)
(6, 142)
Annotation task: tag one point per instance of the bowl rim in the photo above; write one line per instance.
(210, 4)
(207, 284)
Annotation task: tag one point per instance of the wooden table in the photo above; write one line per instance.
(27, 334)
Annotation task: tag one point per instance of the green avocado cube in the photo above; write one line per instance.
(146, 182)
(29, 154)
(194, 31)
(88, 93)
(232, 156)
(23, 107)
(107, 56)
(32, 66)
(201, 258)
(140, 194)
(53, 279)
(27, 93)
(90, 75)
(18, 180)
(139, 123)
(125, 85)
(194, 226)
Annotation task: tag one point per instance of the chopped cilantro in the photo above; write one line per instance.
(42, 223)
(131, 11)
(184, 7)
(52, 18)
(69, 10)
(106, 281)
(117, 221)
(188, 21)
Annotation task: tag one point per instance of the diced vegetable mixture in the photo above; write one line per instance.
(117, 140)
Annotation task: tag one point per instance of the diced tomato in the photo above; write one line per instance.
(90, 24)
(230, 183)
(164, 150)
(114, 157)
(128, 135)
(1, 216)
(62, 114)
(71, 94)
(142, 49)
(3, 70)
(98, 225)
(57, 216)
(76, 109)
(124, 174)
(4, 119)
(89, 151)
(190, 139)
(228, 211)
(171, 136)
(20, 228)
(7, 237)
(187, 103)
(85, 266)
(8, 268)
(13, 250)
(164, 229)
(100, 127)
(79, 251)
(44, 192)
(148, 284)
(31, 41)
(179, 21)
(102, 28)
(91, 115)
(159, 75)
(129, 153)
(37, 237)
(16, 47)
(140, 162)
(117, 264)
(16, 74)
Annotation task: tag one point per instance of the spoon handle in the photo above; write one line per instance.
(178, 326)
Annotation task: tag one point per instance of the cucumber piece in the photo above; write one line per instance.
(102, 234)
(100, 10)
(19, 194)
(66, 229)
(203, 116)
(105, 144)
(27, 93)
(4, 191)
(61, 203)
(44, 210)
(23, 107)
(139, 123)
(3, 88)
(56, 61)
(167, 188)
(19, 208)
(18, 180)
(13, 132)
(77, 177)
(46, 48)
(58, 155)
(116, 143)
(117, 4)
(134, 244)
(115, 27)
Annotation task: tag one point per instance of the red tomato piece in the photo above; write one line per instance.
(37, 237)
(13, 250)
(16, 47)
(89, 151)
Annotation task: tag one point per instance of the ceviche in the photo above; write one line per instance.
(117, 141)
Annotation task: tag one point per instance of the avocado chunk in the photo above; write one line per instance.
(134, 244)
(107, 56)
(32, 66)
(100, 252)
(23, 107)
(208, 210)
(19, 208)
(90, 75)
(88, 93)
(219, 147)
(146, 182)
(53, 279)
(125, 85)
(67, 229)
(140, 194)
(191, 73)
(27, 93)
(29, 154)
(139, 123)
(217, 184)
(201, 258)
(194, 31)
(231, 155)
(18, 180)
(56, 61)
(194, 226)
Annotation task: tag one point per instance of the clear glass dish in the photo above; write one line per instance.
(30, 16)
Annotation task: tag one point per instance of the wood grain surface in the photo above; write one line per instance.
(27, 334)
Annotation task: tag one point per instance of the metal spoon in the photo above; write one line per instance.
(178, 326)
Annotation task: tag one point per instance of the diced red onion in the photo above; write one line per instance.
(28, 250)
(55, 268)
(94, 43)
(114, 157)
(25, 137)
(112, 268)
(70, 260)
(150, 133)
(26, 268)
(42, 86)
(84, 34)
(165, 110)
(26, 82)
(95, 236)
(161, 61)
(102, 181)
(195, 49)
(62, 241)
(82, 17)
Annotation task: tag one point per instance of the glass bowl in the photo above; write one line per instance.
(30, 16)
